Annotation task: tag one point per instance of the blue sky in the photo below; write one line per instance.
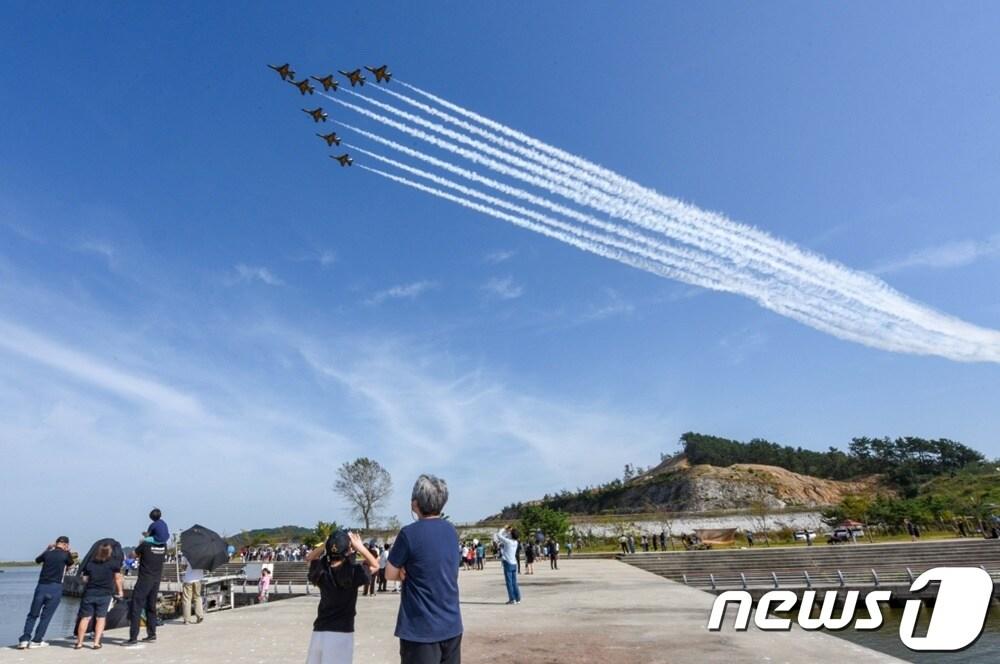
(199, 310)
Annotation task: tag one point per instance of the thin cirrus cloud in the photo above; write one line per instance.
(948, 255)
(504, 288)
(92, 370)
(250, 273)
(500, 256)
(410, 291)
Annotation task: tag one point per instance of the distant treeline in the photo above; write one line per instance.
(906, 462)
(277, 535)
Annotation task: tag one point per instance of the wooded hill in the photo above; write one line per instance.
(713, 473)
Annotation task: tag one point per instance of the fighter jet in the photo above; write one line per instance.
(284, 70)
(303, 86)
(331, 138)
(381, 73)
(317, 114)
(344, 159)
(354, 77)
(327, 81)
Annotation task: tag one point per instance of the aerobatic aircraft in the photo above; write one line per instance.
(354, 77)
(317, 114)
(327, 81)
(381, 73)
(303, 86)
(344, 159)
(284, 70)
(331, 138)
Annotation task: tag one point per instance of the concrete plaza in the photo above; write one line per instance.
(587, 611)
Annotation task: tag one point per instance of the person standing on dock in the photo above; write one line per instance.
(424, 557)
(147, 588)
(191, 592)
(48, 592)
(101, 579)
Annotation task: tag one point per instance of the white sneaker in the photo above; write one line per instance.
(22, 645)
(38, 644)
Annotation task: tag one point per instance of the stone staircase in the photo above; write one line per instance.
(824, 566)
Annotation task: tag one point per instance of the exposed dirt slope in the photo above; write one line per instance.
(677, 486)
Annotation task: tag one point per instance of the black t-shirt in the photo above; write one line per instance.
(100, 578)
(54, 563)
(151, 558)
(337, 606)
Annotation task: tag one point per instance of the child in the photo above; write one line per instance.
(332, 568)
(264, 585)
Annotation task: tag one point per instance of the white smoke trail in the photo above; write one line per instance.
(637, 211)
(919, 328)
(783, 257)
(832, 307)
(514, 192)
(680, 267)
(783, 304)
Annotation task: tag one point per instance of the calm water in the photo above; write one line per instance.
(17, 587)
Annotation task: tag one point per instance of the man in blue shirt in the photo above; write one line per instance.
(48, 593)
(425, 557)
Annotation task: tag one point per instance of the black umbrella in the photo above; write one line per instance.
(203, 548)
(117, 555)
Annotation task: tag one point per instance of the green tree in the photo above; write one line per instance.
(320, 533)
(552, 522)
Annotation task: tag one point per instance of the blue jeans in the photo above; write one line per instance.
(510, 578)
(43, 605)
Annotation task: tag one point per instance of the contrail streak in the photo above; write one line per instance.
(708, 275)
(639, 212)
(600, 202)
(514, 192)
(789, 307)
(681, 268)
(781, 255)
(887, 321)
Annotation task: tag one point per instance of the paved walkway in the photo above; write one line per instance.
(588, 611)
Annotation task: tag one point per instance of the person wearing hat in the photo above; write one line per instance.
(48, 592)
(333, 570)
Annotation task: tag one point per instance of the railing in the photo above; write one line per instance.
(838, 578)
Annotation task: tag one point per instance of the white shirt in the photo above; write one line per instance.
(190, 574)
(508, 547)
(383, 558)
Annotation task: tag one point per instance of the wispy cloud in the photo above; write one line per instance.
(409, 291)
(500, 256)
(102, 248)
(504, 288)
(248, 273)
(948, 255)
(94, 371)
(740, 344)
(614, 305)
(324, 257)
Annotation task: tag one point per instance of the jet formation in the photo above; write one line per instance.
(382, 75)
